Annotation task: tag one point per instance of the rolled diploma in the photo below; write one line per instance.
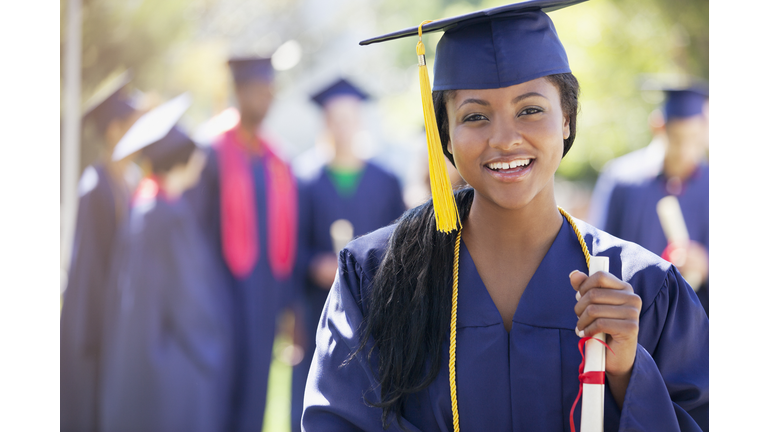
(673, 224)
(342, 233)
(672, 221)
(594, 360)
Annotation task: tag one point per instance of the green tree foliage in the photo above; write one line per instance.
(129, 34)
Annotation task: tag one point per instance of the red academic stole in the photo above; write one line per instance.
(239, 215)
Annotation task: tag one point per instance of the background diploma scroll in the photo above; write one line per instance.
(673, 224)
(342, 233)
(671, 218)
(592, 397)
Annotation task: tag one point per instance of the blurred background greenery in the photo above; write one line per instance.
(182, 45)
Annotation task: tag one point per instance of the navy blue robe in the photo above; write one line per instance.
(632, 214)
(258, 298)
(167, 361)
(101, 207)
(376, 202)
(525, 379)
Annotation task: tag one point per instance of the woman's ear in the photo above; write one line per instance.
(566, 127)
(449, 147)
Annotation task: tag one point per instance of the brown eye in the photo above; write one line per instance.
(530, 111)
(474, 118)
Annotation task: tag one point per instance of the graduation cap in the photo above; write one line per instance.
(340, 87)
(684, 103)
(109, 102)
(156, 133)
(487, 49)
(684, 95)
(246, 69)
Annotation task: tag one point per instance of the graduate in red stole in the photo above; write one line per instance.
(246, 202)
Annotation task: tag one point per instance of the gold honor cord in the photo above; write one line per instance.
(455, 306)
(446, 213)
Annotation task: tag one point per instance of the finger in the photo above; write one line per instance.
(618, 329)
(603, 280)
(594, 312)
(576, 277)
(605, 296)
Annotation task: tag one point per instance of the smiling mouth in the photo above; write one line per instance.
(509, 167)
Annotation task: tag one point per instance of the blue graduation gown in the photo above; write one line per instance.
(101, 207)
(632, 167)
(632, 213)
(376, 202)
(167, 360)
(526, 379)
(258, 298)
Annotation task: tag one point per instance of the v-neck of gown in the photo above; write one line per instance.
(548, 299)
(528, 369)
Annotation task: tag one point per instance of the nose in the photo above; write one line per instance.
(505, 136)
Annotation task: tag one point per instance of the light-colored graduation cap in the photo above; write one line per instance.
(152, 126)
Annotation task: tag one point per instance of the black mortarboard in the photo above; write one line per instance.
(251, 68)
(492, 48)
(157, 128)
(109, 102)
(340, 87)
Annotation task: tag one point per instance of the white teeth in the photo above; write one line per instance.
(509, 165)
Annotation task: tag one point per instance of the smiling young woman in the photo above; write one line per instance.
(480, 327)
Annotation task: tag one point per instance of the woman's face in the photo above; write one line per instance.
(507, 143)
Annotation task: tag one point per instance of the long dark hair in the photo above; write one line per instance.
(409, 302)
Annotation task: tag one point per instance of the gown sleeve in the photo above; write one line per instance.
(335, 396)
(669, 384)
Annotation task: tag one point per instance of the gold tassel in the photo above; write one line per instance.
(446, 213)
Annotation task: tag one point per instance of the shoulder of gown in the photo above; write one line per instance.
(364, 254)
(670, 379)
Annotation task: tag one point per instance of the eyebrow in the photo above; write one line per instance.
(477, 101)
(514, 101)
(527, 95)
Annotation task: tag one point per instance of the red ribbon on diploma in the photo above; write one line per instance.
(592, 377)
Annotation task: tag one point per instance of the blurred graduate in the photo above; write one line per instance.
(633, 210)
(103, 204)
(634, 166)
(247, 203)
(168, 338)
(469, 313)
(347, 197)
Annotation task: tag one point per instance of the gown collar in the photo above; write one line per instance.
(548, 299)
